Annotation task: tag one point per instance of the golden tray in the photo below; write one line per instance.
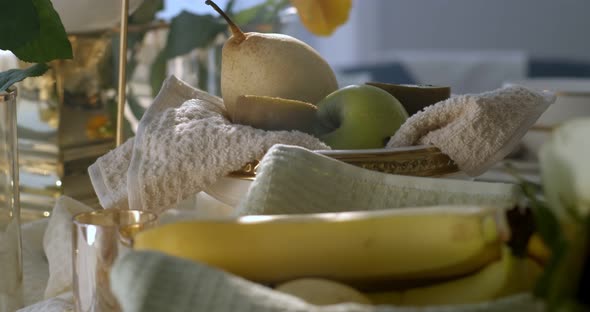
(421, 161)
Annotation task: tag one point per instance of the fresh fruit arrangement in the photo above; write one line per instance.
(411, 256)
(274, 82)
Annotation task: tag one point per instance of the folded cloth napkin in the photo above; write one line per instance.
(47, 255)
(35, 268)
(184, 143)
(147, 281)
(292, 179)
(61, 303)
(57, 244)
(475, 130)
(47, 258)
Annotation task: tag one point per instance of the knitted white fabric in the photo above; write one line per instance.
(62, 303)
(475, 130)
(47, 255)
(152, 282)
(184, 143)
(295, 180)
(57, 244)
(35, 266)
(109, 176)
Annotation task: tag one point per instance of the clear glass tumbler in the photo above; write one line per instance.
(11, 273)
(99, 238)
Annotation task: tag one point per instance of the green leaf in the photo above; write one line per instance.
(52, 42)
(246, 16)
(203, 75)
(189, 31)
(229, 8)
(134, 105)
(264, 13)
(546, 221)
(547, 280)
(146, 12)
(10, 77)
(158, 73)
(19, 23)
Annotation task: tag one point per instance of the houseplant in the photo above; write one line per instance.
(32, 30)
(561, 206)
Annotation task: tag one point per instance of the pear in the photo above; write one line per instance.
(272, 113)
(272, 65)
(415, 97)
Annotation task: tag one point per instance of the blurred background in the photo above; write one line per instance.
(66, 118)
(472, 45)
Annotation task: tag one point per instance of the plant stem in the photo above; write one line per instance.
(236, 31)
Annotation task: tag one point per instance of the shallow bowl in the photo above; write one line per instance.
(421, 161)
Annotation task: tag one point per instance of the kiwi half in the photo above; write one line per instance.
(273, 113)
(415, 97)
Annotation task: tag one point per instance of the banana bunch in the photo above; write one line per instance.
(427, 255)
(506, 276)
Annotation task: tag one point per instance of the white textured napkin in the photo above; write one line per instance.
(62, 303)
(35, 268)
(292, 179)
(47, 259)
(152, 282)
(475, 130)
(184, 143)
(57, 244)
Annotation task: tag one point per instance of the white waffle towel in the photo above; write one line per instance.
(57, 244)
(183, 144)
(293, 180)
(152, 282)
(475, 130)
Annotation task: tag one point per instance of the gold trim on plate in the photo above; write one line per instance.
(421, 161)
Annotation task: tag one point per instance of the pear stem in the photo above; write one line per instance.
(235, 30)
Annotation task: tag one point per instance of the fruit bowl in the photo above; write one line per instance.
(421, 161)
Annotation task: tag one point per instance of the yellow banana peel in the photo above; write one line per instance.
(358, 248)
(538, 250)
(322, 17)
(508, 276)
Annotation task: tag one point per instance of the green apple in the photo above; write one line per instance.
(359, 117)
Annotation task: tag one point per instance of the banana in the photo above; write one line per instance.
(538, 250)
(319, 291)
(361, 249)
(507, 276)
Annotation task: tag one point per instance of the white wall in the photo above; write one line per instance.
(541, 28)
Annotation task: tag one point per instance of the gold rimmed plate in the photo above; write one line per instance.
(422, 161)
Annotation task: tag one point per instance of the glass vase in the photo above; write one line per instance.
(11, 274)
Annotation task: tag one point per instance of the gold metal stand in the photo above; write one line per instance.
(122, 70)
